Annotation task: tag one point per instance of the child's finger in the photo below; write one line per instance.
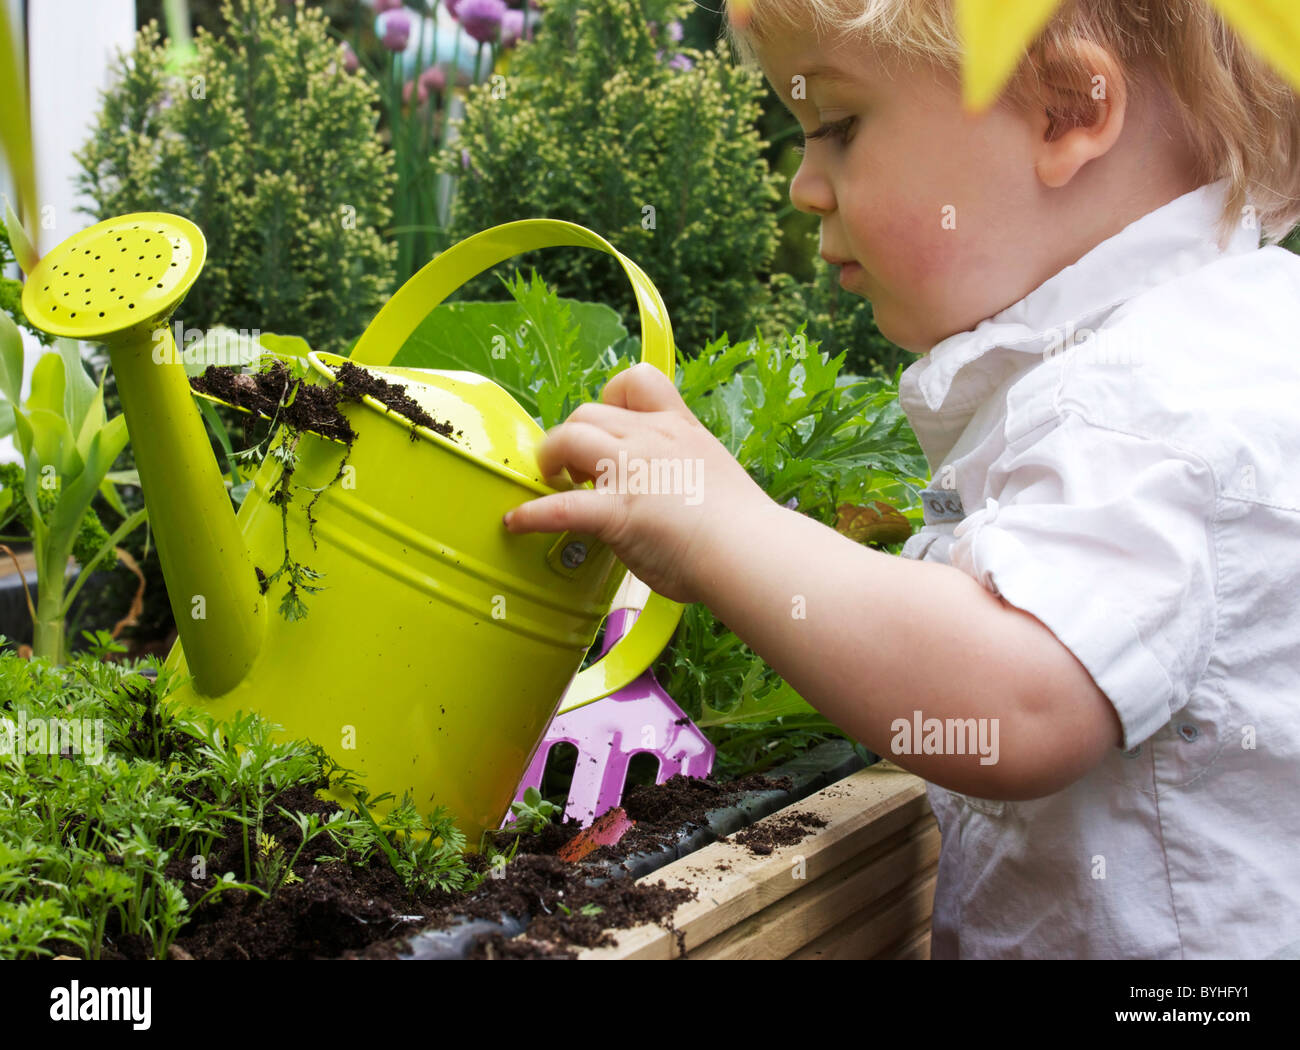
(610, 418)
(577, 446)
(643, 388)
(578, 510)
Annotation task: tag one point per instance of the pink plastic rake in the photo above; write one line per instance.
(638, 719)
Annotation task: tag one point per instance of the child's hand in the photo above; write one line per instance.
(663, 537)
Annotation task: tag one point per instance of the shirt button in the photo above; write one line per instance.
(1133, 752)
(1188, 732)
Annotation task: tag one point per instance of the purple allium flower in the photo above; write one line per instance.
(350, 61)
(681, 62)
(397, 30)
(675, 31)
(464, 158)
(512, 28)
(451, 7)
(481, 19)
(381, 6)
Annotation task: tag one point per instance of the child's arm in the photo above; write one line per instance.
(885, 637)
(881, 638)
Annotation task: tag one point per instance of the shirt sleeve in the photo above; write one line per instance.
(1108, 539)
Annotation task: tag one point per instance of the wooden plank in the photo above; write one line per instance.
(822, 907)
(916, 946)
(861, 810)
(882, 927)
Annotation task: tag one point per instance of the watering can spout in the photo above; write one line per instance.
(117, 283)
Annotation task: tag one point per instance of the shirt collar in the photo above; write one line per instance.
(1166, 243)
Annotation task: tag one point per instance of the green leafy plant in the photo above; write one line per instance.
(663, 161)
(426, 851)
(88, 841)
(271, 149)
(548, 353)
(68, 446)
(531, 813)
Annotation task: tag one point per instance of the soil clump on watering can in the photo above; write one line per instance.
(313, 408)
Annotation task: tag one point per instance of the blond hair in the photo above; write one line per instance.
(1241, 118)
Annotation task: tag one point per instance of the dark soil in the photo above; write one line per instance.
(784, 830)
(314, 407)
(661, 811)
(341, 910)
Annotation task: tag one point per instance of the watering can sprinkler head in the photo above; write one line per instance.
(117, 281)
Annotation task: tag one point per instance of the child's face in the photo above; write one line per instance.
(941, 213)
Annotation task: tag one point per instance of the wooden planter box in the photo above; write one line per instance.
(866, 891)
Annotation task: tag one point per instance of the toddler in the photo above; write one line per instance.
(1107, 391)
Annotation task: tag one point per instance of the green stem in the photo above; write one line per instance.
(129, 525)
(48, 627)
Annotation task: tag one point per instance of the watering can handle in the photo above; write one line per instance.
(401, 315)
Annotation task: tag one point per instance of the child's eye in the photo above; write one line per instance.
(837, 130)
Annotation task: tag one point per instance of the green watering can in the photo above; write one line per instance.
(441, 645)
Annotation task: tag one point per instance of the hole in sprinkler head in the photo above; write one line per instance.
(101, 313)
(119, 238)
(130, 306)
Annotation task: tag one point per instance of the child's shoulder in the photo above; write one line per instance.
(1208, 361)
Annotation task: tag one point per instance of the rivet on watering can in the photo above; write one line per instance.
(1188, 731)
(574, 554)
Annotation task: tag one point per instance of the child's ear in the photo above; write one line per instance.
(1080, 110)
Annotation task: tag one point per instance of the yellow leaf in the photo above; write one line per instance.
(1271, 28)
(879, 523)
(995, 34)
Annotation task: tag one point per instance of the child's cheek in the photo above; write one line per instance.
(917, 248)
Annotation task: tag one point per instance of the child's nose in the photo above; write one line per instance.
(810, 191)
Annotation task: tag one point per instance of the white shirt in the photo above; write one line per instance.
(1139, 493)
